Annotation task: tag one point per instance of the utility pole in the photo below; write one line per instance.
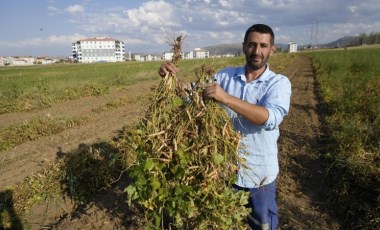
(314, 35)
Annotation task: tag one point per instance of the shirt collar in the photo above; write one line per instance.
(240, 72)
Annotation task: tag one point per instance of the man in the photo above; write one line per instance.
(256, 99)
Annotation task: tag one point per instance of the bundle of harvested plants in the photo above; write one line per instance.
(185, 159)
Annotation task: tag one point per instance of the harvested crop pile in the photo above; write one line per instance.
(185, 161)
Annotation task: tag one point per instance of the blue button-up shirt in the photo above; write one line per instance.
(258, 145)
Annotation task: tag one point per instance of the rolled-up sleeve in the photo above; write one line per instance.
(277, 101)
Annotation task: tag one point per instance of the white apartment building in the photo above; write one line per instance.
(167, 56)
(201, 53)
(292, 47)
(17, 61)
(196, 53)
(98, 49)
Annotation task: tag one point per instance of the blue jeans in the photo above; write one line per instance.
(262, 201)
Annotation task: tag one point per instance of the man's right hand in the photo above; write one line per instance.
(167, 67)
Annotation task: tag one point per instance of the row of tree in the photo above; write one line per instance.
(367, 39)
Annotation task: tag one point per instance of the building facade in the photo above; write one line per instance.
(197, 53)
(201, 53)
(292, 47)
(98, 49)
(17, 61)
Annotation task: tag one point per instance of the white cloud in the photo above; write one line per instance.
(64, 39)
(225, 3)
(23, 43)
(52, 10)
(134, 41)
(51, 40)
(353, 9)
(153, 13)
(74, 9)
(150, 17)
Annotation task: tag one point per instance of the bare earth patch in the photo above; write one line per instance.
(299, 184)
(29, 157)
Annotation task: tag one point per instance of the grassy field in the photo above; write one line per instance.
(36, 87)
(349, 82)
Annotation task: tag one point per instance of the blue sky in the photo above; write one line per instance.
(48, 27)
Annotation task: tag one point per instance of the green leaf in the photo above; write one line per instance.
(178, 191)
(157, 219)
(141, 181)
(163, 194)
(130, 190)
(132, 193)
(243, 199)
(155, 184)
(176, 101)
(180, 172)
(149, 164)
(193, 210)
(187, 188)
(183, 157)
(178, 220)
(218, 158)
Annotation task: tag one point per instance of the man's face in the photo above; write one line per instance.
(257, 50)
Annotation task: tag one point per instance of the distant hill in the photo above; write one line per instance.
(236, 48)
(342, 42)
(232, 48)
(223, 49)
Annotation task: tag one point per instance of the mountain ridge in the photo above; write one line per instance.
(236, 48)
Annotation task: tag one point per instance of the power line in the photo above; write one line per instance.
(314, 34)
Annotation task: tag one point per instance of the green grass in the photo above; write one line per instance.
(350, 86)
(36, 87)
(35, 128)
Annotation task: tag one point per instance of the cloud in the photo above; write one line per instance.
(74, 9)
(64, 39)
(206, 21)
(51, 40)
(152, 13)
(52, 10)
(149, 17)
(22, 43)
(135, 41)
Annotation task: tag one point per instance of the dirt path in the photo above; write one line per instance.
(299, 184)
(301, 171)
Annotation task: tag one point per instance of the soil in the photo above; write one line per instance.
(300, 196)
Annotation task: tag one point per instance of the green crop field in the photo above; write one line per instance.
(35, 87)
(349, 82)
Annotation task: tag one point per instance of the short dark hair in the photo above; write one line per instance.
(261, 28)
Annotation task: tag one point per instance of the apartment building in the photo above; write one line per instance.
(200, 53)
(17, 61)
(292, 47)
(98, 49)
(197, 53)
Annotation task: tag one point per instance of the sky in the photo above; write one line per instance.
(49, 27)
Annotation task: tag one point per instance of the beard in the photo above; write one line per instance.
(256, 62)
